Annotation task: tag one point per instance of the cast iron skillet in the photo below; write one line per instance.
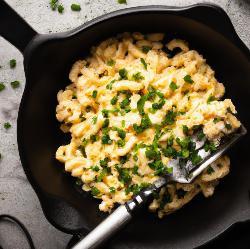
(47, 61)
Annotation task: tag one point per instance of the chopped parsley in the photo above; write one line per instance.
(120, 143)
(12, 63)
(111, 62)
(210, 99)
(94, 94)
(135, 170)
(104, 162)
(105, 123)
(95, 191)
(105, 171)
(2, 86)
(145, 123)
(122, 1)
(106, 139)
(95, 168)
(53, 4)
(124, 175)
(169, 118)
(137, 76)
(228, 126)
(123, 123)
(110, 84)
(146, 49)
(185, 129)
(173, 86)
(94, 119)
(216, 120)
(60, 8)
(210, 170)
(210, 146)
(75, 7)
(7, 125)
(105, 113)
(121, 133)
(188, 79)
(200, 135)
(93, 138)
(144, 63)
(152, 153)
(15, 84)
(141, 103)
(114, 100)
(112, 190)
(159, 105)
(125, 103)
(123, 74)
(195, 158)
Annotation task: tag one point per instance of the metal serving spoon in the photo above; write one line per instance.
(182, 174)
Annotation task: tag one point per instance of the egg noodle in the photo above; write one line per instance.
(132, 106)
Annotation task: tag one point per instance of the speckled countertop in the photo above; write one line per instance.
(16, 195)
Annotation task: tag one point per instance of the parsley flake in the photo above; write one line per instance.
(12, 63)
(75, 7)
(144, 63)
(7, 125)
(188, 79)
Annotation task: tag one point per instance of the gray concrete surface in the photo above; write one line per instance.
(16, 195)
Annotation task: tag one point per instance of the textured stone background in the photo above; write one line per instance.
(16, 195)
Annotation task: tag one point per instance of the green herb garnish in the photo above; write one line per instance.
(146, 49)
(123, 74)
(112, 190)
(106, 139)
(105, 113)
(2, 86)
(144, 63)
(137, 76)
(210, 99)
(210, 170)
(75, 7)
(120, 143)
(95, 168)
(111, 62)
(15, 84)
(94, 94)
(145, 123)
(93, 138)
(12, 63)
(188, 79)
(60, 8)
(228, 126)
(122, 1)
(95, 191)
(110, 84)
(94, 119)
(53, 4)
(7, 125)
(105, 123)
(173, 86)
(114, 100)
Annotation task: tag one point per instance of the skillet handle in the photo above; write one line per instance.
(120, 217)
(13, 28)
(106, 229)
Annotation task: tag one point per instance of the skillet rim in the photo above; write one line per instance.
(230, 34)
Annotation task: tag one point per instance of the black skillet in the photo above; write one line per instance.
(47, 61)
